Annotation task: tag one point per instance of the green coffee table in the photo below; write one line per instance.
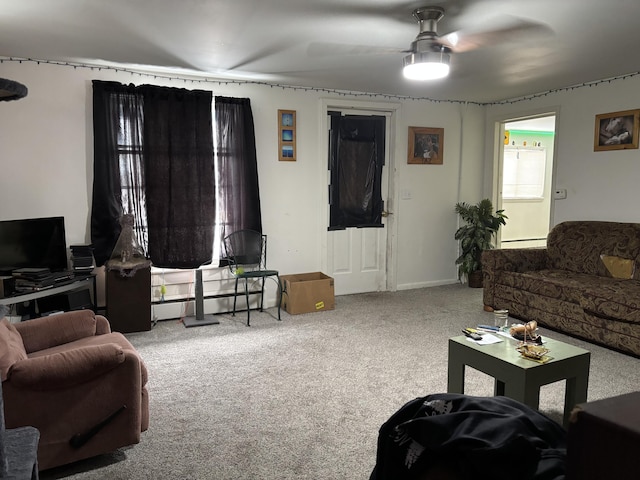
(520, 378)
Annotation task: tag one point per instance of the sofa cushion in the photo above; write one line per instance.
(617, 299)
(555, 284)
(577, 245)
(11, 347)
(604, 297)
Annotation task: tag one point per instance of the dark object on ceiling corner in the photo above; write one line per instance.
(11, 90)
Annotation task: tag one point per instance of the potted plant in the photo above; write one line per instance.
(476, 235)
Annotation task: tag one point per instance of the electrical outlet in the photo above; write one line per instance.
(560, 194)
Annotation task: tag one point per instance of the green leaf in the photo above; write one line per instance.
(480, 226)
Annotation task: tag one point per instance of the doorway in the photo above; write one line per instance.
(525, 180)
(358, 200)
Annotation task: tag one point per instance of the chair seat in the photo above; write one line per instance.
(257, 274)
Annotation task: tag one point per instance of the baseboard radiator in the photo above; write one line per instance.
(178, 299)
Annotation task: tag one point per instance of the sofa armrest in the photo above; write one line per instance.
(46, 332)
(511, 260)
(64, 369)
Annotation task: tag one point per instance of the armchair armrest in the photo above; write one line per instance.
(63, 369)
(47, 332)
(510, 260)
(102, 325)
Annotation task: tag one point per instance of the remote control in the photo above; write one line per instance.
(471, 335)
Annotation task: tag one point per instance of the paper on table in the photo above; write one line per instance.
(487, 339)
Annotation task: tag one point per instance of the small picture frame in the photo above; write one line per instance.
(616, 130)
(426, 146)
(287, 135)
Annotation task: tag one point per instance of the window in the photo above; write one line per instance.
(356, 159)
(131, 163)
(154, 158)
(523, 173)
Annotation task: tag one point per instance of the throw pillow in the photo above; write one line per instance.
(618, 267)
(11, 347)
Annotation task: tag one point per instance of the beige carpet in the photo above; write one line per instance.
(303, 398)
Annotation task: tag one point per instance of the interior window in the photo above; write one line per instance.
(523, 173)
(356, 158)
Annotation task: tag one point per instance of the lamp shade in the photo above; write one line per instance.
(11, 90)
(426, 65)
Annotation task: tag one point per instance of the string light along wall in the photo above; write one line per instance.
(218, 81)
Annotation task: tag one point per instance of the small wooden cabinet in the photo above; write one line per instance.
(129, 301)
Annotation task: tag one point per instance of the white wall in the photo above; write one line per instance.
(600, 185)
(46, 156)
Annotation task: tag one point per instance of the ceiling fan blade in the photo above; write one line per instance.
(503, 30)
(260, 55)
(327, 49)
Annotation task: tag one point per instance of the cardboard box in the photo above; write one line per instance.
(604, 438)
(307, 292)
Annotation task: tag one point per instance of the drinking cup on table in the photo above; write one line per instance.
(501, 318)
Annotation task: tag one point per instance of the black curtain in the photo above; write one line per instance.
(356, 158)
(154, 158)
(118, 163)
(239, 196)
(180, 184)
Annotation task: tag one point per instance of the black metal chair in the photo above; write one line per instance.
(246, 252)
(18, 450)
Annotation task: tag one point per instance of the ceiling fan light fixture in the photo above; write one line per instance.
(426, 65)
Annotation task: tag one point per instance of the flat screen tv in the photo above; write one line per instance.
(33, 242)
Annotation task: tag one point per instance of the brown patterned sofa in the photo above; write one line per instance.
(584, 283)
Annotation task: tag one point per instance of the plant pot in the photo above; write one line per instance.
(475, 279)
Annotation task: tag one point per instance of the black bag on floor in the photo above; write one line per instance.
(469, 437)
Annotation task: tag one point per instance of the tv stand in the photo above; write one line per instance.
(71, 285)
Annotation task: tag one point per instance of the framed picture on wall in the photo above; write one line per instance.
(287, 135)
(616, 130)
(426, 146)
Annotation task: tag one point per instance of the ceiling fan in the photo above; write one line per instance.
(430, 53)
(429, 56)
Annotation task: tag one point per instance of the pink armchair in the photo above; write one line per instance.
(81, 385)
